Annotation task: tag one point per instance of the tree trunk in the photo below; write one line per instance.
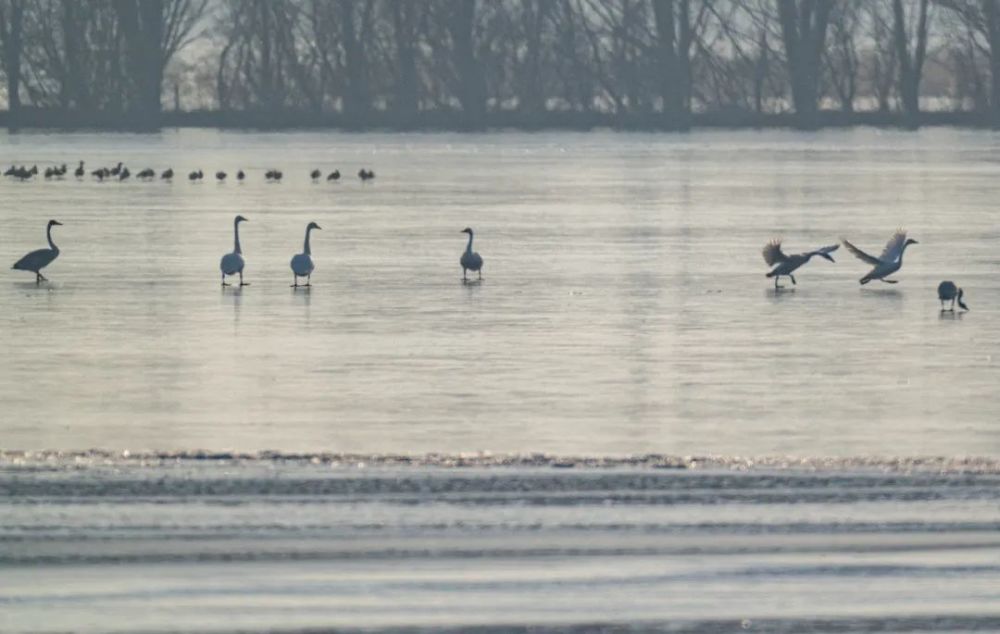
(471, 85)
(992, 14)
(403, 17)
(141, 23)
(11, 25)
(356, 100)
(910, 69)
(670, 81)
(803, 31)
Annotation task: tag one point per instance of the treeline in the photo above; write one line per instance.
(475, 63)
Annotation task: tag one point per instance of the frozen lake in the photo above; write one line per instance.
(623, 309)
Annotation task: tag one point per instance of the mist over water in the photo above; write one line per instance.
(623, 308)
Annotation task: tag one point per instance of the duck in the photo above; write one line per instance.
(302, 263)
(195, 176)
(333, 176)
(233, 263)
(39, 259)
(888, 262)
(240, 175)
(124, 174)
(167, 174)
(787, 264)
(116, 169)
(948, 290)
(470, 260)
(315, 174)
(79, 172)
(220, 176)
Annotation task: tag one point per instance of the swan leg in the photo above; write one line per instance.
(480, 274)
(792, 278)
(295, 280)
(309, 279)
(776, 285)
(463, 274)
(242, 283)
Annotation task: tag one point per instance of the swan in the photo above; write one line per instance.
(949, 291)
(232, 263)
(471, 261)
(888, 262)
(302, 263)
(38, 260)
(787, 264)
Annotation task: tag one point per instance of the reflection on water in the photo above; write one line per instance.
(626, 308)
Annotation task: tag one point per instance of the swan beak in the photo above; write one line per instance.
(56, 222)
(828, 257)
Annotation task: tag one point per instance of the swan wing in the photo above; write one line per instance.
(861, 255)
(894, 247)
(35, 260)
(827, 250)
(772, 253)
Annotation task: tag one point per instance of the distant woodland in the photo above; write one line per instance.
(474, 64)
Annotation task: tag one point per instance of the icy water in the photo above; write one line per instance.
(98, 543)
(623, 308)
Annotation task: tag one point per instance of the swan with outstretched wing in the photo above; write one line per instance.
(888, 262)
(787, 264)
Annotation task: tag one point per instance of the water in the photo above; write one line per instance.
(623, 307)
(623, 311)
(95, 543)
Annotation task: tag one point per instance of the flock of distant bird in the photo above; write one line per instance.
(233, 263)
(122, 173)
(890, 261)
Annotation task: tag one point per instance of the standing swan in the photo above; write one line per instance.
(887, 263)
(302, 263)
(471, 261)
(38, 260)
(787, 264)
(232, 263)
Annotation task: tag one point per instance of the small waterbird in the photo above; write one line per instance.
(470, 260)
(233, 263)
(888, 262)
(146, 174)
(366, 175)
(947, 290)
(116, 169)
(333, 176)
(240, 176)
(167, 174)
(38, 260)
(315, 174)
(195, 176)
(787, 264)
(79, 172)
(220, 176)
(124, 174)
(302, 263)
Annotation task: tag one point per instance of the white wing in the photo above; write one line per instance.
(894, 247)
(861, 255)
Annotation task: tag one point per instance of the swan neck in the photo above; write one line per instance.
(305, 248)
(468, 247)
(48, 235)
(236, 236)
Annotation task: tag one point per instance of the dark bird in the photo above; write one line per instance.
(100, 173)
(195, 176)
(277, 175)
(79, 171)
(315, 174)
(61, 170)
(948, 291)
(220, 176)
(886, 264)
(50, 172)
(240, 175)
(269, 175)
(470, 260)
(10, 171)
(366, 175)
(787, 264)
(146, 173)
(124, 174)
(167, 174)
(116, 170)
(334, 176)
(38, 260)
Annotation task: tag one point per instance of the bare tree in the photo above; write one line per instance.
(910, 67)
(803, 31)
(11, 32)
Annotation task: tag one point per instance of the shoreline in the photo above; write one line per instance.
(474, 460)
(448, 121)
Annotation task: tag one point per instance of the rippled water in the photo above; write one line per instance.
(623, 306)
(104, 544)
